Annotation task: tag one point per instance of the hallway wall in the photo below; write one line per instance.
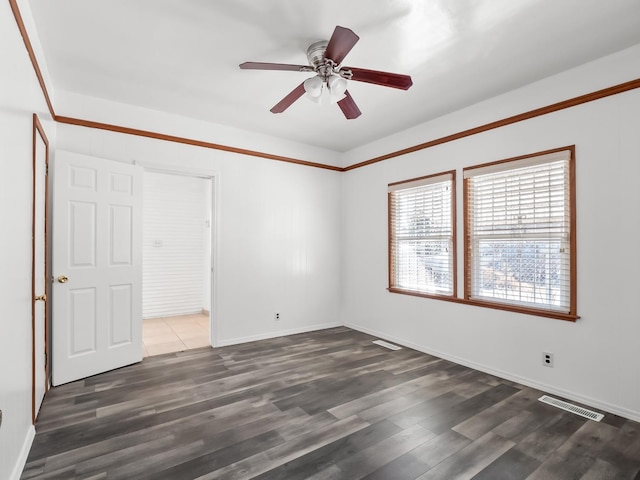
(176, 227)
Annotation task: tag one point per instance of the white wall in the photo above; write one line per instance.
(596, 358)
(20, 97)
(276, 232)
(174, 251)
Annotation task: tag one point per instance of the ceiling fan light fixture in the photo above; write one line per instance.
(337, 85)
(326, 96)
(328, 91)
(313, 86)
(323, 98)
(319, 99)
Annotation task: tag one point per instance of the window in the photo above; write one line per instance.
(422, 235)
(520, 233)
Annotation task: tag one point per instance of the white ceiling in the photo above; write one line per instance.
(182, 56)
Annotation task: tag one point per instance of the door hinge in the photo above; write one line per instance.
(46, 169)
(46, 359)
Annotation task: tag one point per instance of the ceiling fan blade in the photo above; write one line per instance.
(349, 107)
(386, 79)
(340, 43)
(275, 66)
(286, 102)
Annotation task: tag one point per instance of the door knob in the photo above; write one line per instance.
(63, 279)
(42, 298)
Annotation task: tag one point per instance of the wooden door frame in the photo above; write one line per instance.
(39, 130)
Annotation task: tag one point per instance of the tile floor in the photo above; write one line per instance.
(174, 334)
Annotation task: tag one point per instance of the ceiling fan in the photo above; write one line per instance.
(329, 85)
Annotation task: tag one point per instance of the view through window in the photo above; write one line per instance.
(519, 227)
(421, 246)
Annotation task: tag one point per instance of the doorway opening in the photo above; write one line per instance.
(177, 262)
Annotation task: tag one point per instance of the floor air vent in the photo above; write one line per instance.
(388, 345)
(569, 407)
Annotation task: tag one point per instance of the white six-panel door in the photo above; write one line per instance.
(96, 266)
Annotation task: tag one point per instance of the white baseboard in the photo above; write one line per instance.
(24, 453)
(592, 402)
(281, 333)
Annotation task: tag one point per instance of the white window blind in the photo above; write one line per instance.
(519, 220)
(421, 235)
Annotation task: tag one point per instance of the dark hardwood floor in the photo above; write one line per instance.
(322, 405)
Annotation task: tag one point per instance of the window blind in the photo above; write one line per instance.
(421, 235)
(519, 220)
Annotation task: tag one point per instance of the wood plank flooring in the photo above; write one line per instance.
(322, 405)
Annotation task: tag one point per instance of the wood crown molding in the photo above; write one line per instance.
(189, 141)
(32, 55)
(572, 102)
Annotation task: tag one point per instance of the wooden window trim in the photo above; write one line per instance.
(572, 314)
(454, 259)
(495, 306)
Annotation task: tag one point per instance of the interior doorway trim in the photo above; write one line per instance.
(38, 130)
(213, 176)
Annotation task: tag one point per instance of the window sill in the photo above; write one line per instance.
(496, 306)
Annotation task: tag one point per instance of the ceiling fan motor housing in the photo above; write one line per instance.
(324, 67)
(315, 53)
